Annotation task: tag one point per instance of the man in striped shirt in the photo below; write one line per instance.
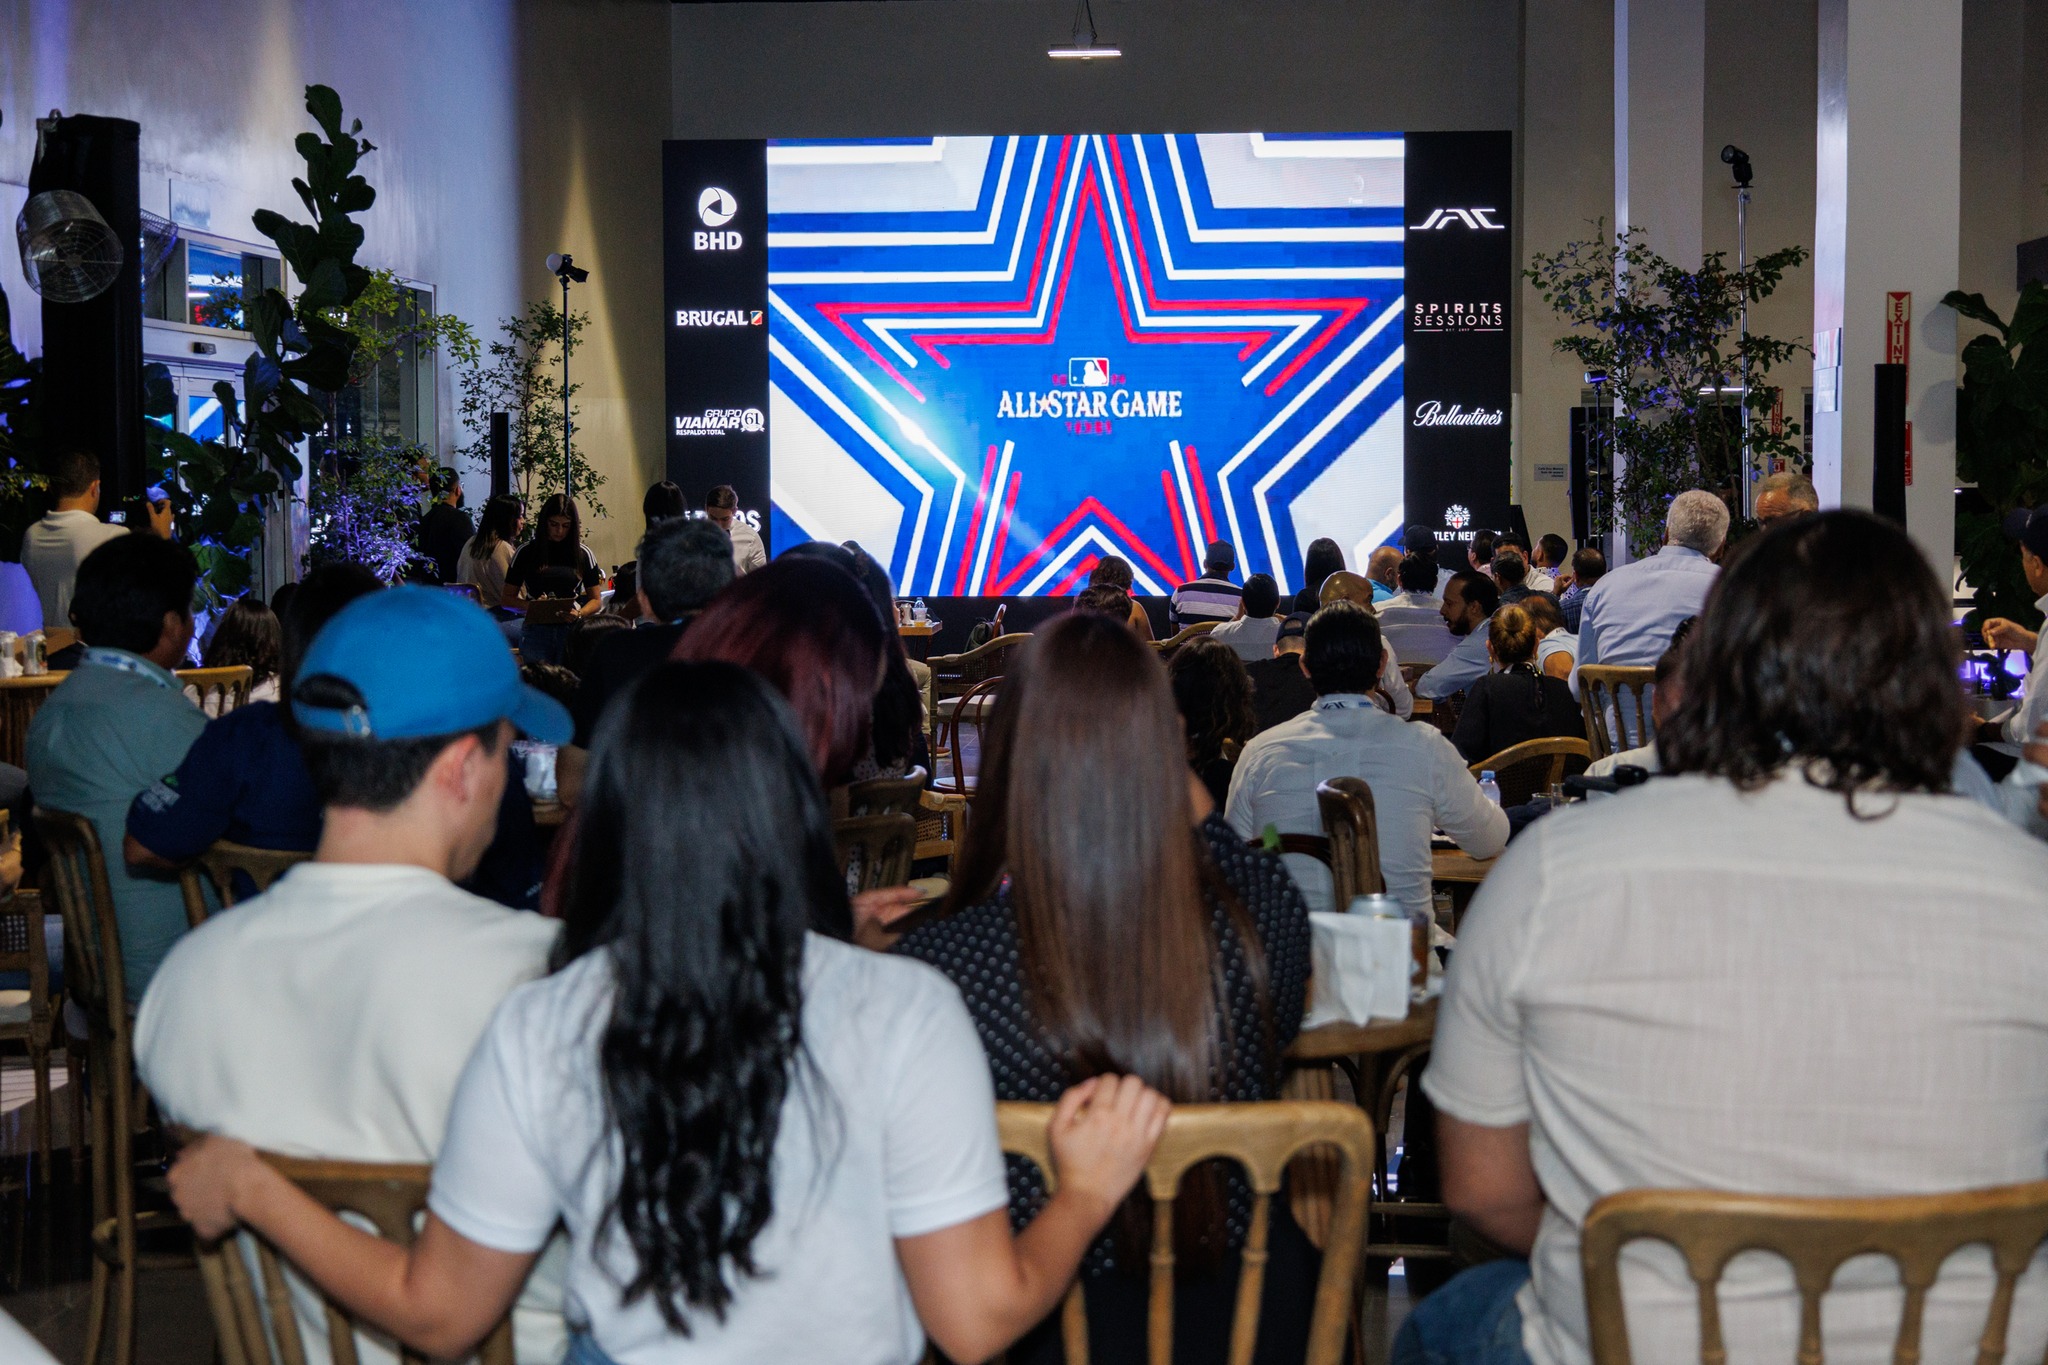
(1212, 597)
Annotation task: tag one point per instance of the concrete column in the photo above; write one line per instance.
(1887, 186)
(1660, 93)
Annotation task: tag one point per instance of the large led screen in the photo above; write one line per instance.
(992, 360)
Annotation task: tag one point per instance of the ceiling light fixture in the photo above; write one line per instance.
(1092, 49)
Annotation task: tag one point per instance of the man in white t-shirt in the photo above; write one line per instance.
(722, 509)
(1418, 780)
(53, 548)
(1797, 965)
(333, 1015)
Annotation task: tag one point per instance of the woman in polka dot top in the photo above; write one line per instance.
(1105, 918)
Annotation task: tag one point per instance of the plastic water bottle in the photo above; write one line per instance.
(919, 612)
(1489, 788)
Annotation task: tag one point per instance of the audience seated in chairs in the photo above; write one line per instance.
(1212, 597)
(1252, 632)
(1418, 780)
(245, 778)
(1589, 566)
(1280, 688)
(1467, 611)
(1515, 703)
(1101, 903)
(1393, 692)
(1557, 649)
(896, 737)
(684, 562)
(248, 635)
(1322, 558)
(488, 556)
(1796, 965)
(121, 721)
(1214, 696)
(1411, 621)
(333, 1014)
(553, 576)
(763, 1143)
(1114, 571)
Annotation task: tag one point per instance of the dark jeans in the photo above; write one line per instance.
(1472, 1320)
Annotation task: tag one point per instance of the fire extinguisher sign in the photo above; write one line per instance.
(1898, 326)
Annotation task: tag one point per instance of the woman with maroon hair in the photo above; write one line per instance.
(1104, 919)
(807, 627)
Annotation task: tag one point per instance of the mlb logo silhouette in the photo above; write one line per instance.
(1089, 372)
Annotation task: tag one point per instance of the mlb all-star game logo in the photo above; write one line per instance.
(1088, 398)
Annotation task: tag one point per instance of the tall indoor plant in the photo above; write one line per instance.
(1667, 341)
(523, 379)
(2002, 444)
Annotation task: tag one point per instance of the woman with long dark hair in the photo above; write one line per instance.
(484, 562)
(555, 566)
(248, 635)
(1104, 919)
(764, 1144)
(1515, 703)
(1323, 558)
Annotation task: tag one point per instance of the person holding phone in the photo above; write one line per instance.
(53, 548)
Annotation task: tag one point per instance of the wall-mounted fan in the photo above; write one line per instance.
(159, 235)
(68, 252)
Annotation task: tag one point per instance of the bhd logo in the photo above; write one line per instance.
(1457, 516)
(716, 207)
(1088, 372)
(1477, 219)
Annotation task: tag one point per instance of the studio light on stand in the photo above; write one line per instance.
(564, 268)
(1090, 49)
(1737, 162)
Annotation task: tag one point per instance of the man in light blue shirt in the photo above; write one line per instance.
(120, 722)
(1632, 612)
(1469, 600)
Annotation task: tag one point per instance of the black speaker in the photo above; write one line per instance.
(1591, 470)
(1888, 443)
(501, 453)
(92, 351)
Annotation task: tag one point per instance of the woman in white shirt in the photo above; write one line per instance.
(484, 560)
(765, 1144)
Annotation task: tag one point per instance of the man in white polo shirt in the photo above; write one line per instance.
(53, 548)
(333, 1015)
(1418, 780)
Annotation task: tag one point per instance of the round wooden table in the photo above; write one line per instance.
(917, 638)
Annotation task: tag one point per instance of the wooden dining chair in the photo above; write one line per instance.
(967, 715)
(886, 795)
(26, 1015)
(874, 851)
(1262, 1139)
(1180, 637)
(1619, 692)
(76, 877)
(227, 688)
(1535, 765)
(20, 699)
(218, 865)
(1351, 825)
(941, 826)
(246, 1307)
(1815, 1236)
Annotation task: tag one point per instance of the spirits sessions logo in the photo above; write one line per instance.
(1457, 317)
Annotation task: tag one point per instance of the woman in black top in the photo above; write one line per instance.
(554, 564)
(1515, 703)
(1324, 557)
(1214, 695)
(1104, 918)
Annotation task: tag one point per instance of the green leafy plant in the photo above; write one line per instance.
(2002, 444)
(523, 379)
(1667, 339)
(364, 506)
(218, 489)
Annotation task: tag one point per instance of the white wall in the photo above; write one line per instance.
(217, 86)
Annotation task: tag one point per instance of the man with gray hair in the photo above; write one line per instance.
(1785, 497)
(1631, 613)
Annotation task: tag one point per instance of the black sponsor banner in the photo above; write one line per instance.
(715, 220)
(1460, 275)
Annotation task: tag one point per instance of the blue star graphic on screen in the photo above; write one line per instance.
(995, 360)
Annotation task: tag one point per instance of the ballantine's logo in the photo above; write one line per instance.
(1458, 317)
(718, 317)
(719, 421)
(1439, 219)
(1435, 414)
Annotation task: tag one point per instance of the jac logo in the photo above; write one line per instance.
(1457, 516)
(1439, 219)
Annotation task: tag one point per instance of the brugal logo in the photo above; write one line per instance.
(1476, 219)
(1434, 414)
(716, 208)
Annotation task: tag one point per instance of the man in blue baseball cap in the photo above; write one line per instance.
(333, 1014)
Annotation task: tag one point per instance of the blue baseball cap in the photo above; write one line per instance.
(427, 663)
